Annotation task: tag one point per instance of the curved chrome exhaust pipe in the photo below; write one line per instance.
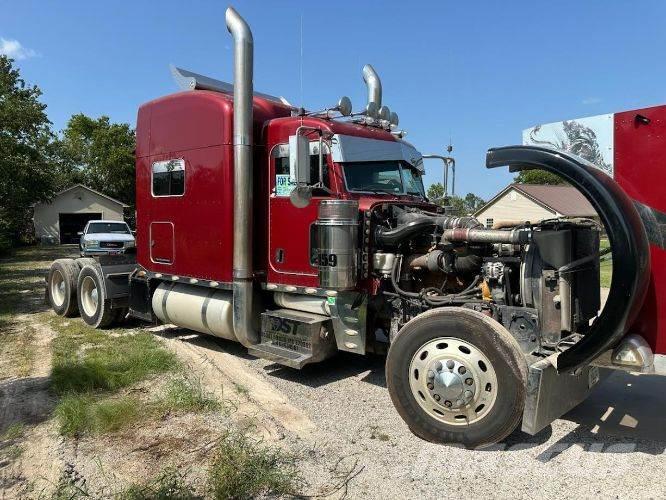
(243, 289)
(374, 84)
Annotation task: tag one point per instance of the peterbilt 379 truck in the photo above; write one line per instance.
(300, 234)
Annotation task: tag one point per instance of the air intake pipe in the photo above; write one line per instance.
(243, 310)
(374, 84)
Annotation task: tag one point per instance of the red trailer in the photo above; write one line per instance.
(300, 234)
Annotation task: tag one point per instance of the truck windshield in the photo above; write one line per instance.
(108, 227)
(383, 177)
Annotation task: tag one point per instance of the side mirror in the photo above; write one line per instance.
(80, 233)
(299, 160)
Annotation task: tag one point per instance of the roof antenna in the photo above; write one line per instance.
(301, 61)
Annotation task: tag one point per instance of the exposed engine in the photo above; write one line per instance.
(541, 281)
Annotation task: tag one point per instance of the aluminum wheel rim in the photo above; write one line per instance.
(57, 288)
(89, 296)
(453, 381)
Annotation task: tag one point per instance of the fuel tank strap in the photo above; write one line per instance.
(626, 233)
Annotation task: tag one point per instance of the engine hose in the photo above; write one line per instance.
(392, 237)
(468, 264)
(458, 298)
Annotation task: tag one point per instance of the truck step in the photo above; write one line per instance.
(280, 355)
(294, 338)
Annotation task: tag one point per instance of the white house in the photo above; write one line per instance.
(59, 220)
(533, 203)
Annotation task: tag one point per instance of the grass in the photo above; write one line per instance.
(79, 414)
(21, 289)
(91, 367)
(243, 468)
(170, 485)
(92, 370)
(88, 360)
(9, 448)
(186, 395)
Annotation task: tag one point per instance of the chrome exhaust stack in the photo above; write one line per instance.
(243, 290)
(374, 84)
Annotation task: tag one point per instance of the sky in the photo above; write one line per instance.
(473, 73)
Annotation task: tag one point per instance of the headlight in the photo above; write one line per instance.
(92, 243)
(129, 244)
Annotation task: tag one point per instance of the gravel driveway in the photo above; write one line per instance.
(613, 445)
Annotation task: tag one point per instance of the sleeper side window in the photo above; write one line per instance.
(168, 178)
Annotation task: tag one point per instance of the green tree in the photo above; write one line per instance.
(435, 191)
(100, 154)
(25, 154)
(537, 177)
(468, 204)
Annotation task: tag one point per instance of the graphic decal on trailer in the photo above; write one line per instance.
(590, 138)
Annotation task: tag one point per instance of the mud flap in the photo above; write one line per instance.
(550, 394)
(628, 239)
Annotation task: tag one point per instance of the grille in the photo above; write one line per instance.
(111, 244)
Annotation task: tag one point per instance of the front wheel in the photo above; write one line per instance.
(457, 376)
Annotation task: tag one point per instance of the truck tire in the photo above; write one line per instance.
(82, 261)
(61, 286)
(457, 376)
(94, 307)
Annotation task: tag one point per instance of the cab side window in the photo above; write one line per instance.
(282, 169)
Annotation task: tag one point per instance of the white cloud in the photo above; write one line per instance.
(14, 50)
(591, 100)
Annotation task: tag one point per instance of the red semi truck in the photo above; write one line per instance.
(300, 234)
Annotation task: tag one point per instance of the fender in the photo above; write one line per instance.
(626, 233)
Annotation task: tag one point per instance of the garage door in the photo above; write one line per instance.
(71, 224)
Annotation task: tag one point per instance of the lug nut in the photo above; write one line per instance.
(431, 374)
(450, 364)
(430, 386)
(469, 381)
(462, 370)
(438, 366)
(448, 403)
(459, 402)
(437, 397)
(468, 394)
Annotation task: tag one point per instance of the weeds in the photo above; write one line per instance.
(241, 389)
(14, 431)
(88, 360)
(186, 395)
(243, 468)
(78, 414)
(9, 449)
(170, 485)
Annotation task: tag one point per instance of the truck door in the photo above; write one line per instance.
(289, 227)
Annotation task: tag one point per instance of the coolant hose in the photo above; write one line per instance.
(393, 237)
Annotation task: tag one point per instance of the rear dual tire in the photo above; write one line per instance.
(456, 376)
(94, 306)
(61, 289)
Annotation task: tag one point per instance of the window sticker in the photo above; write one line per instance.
(283, 185)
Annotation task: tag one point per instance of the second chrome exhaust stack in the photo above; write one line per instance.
(374, 84)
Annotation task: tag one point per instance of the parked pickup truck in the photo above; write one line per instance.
(105, 237)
